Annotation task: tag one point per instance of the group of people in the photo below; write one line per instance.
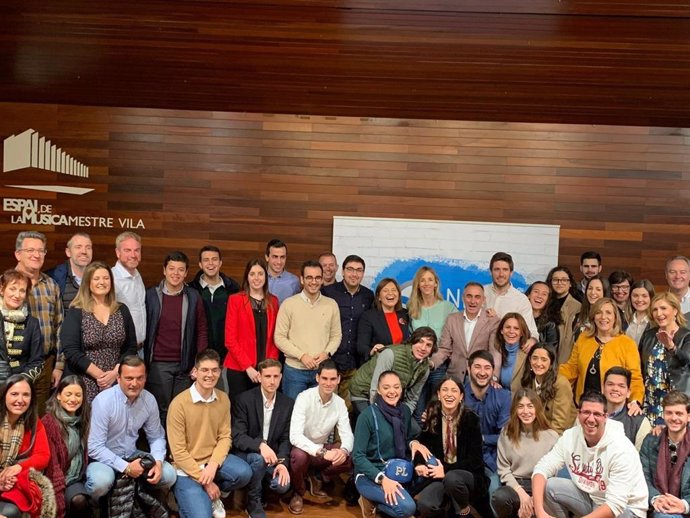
(517, 405)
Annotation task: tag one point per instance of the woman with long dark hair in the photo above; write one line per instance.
(621, 284)
(641, 295)
(556, 394)
(455, 472)
(566, 299)
(522, 443)
(67, 421)
(24, 446)
(509, 358)
(546, 315)
(250, 322)
(596, 288)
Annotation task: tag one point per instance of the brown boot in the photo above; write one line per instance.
(296, 505)
(368, 508)
(316, 488)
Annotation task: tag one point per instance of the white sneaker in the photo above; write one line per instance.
(218, 508)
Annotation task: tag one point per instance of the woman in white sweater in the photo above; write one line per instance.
(524, 440)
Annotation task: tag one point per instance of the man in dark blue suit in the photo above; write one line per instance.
(261, 435)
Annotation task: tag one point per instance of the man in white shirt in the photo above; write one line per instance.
(317, 413)
(502, 297)
(129, 286)
(678, 279)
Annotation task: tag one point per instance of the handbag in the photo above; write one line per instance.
(397, 469)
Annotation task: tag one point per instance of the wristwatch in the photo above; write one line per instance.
(321, 452)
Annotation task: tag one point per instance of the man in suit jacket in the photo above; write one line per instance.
(261, 434)
(465, 332)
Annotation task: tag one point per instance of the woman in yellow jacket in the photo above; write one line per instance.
(603, 347)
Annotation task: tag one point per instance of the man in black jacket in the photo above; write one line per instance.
(261, 435)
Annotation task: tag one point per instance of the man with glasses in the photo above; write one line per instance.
(678, 279)
(664, 458)
(307, 331)
(562, 284)
(606, 478)
(353, 299)
(45, 304)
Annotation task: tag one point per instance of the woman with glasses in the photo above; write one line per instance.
(641, 295)
(598, 349)
(665, 354)
(565, 300)
(621, 282)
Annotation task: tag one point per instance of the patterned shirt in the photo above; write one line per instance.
(45, 303)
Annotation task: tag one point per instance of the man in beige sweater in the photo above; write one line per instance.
(307, 331)
(199, 439)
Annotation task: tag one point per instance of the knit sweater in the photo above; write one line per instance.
(519, 460)
(198, 432)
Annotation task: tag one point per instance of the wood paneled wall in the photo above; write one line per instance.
(238, 180)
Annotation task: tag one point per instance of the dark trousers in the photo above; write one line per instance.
(238, 382)
(505, 500)
(454, 489)
(301, 461)
(9, 510)
(165, 381)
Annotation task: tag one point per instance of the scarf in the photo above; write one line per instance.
(75, 451)
(667, 475)
(10, 441)
(393, 415)
(449, 431)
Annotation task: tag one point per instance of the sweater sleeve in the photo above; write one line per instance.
(283, 342)
(622, 477)
(177, 426)
(336, 334)
(40, 455)
(34, 366)
(224, 438)
(632, 363)
(72, 346)
(553, 462)
(365, 333)
(363, 438)
(384, 362)
(503, 462)
(129, 346)
(54, 471)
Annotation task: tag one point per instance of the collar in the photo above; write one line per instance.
(198, 398)
(307, 300)
(120, 268)
(471, 319)
(267, 405)
(203, 283)
(493, 287)
(618, 412)
(119, 394)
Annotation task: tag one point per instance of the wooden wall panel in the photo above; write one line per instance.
(240, 179)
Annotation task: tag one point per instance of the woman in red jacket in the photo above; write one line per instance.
(24, 446)
(249, 325)
(67, 422)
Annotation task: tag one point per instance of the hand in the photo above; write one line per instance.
(107, 379)
(155, 473)
(634, 408)
(527, 346)
(212, 490)
(135, 469)
(308, 361)
(376, 349)
(665, 339)
(336, 456)
(282, 473)
(208, 473)
(320, 358)
(270, 457)
(491, 312)
(495, 384)
(422, 470)
(253, 374)
(418, 447)
(656, 431)
(437, 471)
(391, 491)
(526, 504)
(55, 378)
(673, 504)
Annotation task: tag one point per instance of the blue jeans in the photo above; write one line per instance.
(373, 492)
(191, 497)
(657, 514)
(100, 478)
(261, 471)
(297, 380)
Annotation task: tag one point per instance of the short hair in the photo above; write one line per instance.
(127, 235)
(325, 365)
(178, 257)
(473, 284)
(29, 234)
(677, 258)
(352, 258)
(619, 371)
(379, 287)
(10, 276)
(268, 363)
(210, 248)
(131, 360)
(590, 254)
(424, 332)
(78, 234)
(387, 373)
(275, 243)
(207, 354)
(502, 256)
(310, 263)
(596, 308)
(328, 254)
(618, 276)
(676, 397)
(593, 396)
(481, 355)
(673, 301)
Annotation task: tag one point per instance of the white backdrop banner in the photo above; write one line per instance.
(458, 251)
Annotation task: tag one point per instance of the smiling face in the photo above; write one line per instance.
(538, 297)
(592, 417)
(481, 372)
(312, 280)
(175, 273)
(31, 256)
(511, 331)
(207, 374)
(389, 297)
(539, 361)
(621, 291)
(79, 251)
(590, 268)
(422, 349)
(256, 278)
(330, 267)
(676, 418)
(640, 299)
(100, 284)
(276, 259)
(132, 380)
(560, 282)
(605, 319)
(210, 263)
(500, 274)
(14, 294)
(353, 273)
(526, 412)
(18, 399)
(450, 395)
(328, 382)
(595, 291)
(390, 389)
(71, 398)
(678, 275)
(473, 299)
(427, 284)
(616, 390)
(664, 314)
(129, 254)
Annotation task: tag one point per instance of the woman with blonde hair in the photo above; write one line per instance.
(97, 331)
(665, 354)
(598, 349)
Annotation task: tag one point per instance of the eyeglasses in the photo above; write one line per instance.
(560, 281)
(588, 413)
(350, 269)
(311, 278)
(619, 287)
(205, 370)
(32, 251)
(674, 452)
